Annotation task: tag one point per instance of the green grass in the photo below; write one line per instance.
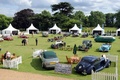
(34, 65)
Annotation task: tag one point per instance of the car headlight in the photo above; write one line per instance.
(80, 67)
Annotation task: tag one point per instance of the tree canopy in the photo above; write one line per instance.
(62, 8)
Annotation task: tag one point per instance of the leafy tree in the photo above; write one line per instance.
(22, 19)
(117, 19)
(79, 15)
(43, 21)
(60, 19)
(62, 8)
(96, 17)
(86, 21)
(46, 20)
(110, 19)
(4, 21)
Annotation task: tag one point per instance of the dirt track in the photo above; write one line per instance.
(14, 75)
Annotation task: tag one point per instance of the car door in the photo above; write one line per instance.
(97, 65)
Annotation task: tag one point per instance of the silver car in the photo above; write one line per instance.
(49, 59)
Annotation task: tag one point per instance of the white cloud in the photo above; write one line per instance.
(10, 7)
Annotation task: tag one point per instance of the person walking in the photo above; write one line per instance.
(36, 40)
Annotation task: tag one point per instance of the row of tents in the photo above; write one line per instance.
(55, 30)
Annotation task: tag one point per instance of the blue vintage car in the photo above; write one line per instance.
(91, 63)
(105, 47)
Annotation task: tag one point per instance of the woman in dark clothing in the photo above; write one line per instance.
(36, 40)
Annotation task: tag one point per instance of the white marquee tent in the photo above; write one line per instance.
(75, 29)
(118, 32)
(32, 29)
(10, 30)
(98, 30)
(55, 29)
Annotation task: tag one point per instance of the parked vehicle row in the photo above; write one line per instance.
(85, 66)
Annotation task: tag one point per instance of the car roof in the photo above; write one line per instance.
(90, 58)
(49, 53)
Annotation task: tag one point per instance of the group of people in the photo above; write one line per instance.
(7, 55)
(25, 41)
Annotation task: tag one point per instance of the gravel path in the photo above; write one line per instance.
(6, 74)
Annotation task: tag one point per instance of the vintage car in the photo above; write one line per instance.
(66, 34)
(58, 44)
(44, 34)
(75, 35)
(91, 63)
(86, 44)
(8, 38)
(49, 59)
(23, 36)
(106, 39)
(84, 35)
(105, 47)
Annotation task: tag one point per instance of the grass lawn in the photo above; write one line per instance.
(33, 65)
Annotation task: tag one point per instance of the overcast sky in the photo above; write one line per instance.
(10, 7)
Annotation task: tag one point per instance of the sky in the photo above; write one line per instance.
(10, 7)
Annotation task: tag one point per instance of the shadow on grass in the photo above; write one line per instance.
(118, 50)
(36, 64)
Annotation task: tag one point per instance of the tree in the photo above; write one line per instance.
(60, 20)
(96, 17)
(43, 21)
(110, 19)
(117, 19)
(22, 19)
(46, 20)
(62, 8)
(79, 15)
(4, 21)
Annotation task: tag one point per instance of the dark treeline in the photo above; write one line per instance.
(63, 16)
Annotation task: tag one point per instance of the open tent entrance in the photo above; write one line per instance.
(15, 32)
(32, 31)
(118, 33)
(53, 31)
(74, 31)
(97, 32)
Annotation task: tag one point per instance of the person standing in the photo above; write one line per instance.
(36, 40)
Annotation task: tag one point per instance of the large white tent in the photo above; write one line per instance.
(98, 30)
(55, 29)
(118, 32)
(10, 30)
(32, 29)
(75, 29)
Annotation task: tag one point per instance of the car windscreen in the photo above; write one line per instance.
(49, 55)
(86, 61)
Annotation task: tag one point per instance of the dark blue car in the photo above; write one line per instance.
(91, 63)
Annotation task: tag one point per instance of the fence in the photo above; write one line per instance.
(104, 76)
(107, 76)
(12, 63)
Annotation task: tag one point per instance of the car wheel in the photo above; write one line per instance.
(108, 65)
